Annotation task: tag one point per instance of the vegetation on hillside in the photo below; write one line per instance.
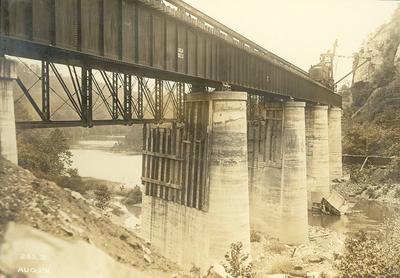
(372, 255)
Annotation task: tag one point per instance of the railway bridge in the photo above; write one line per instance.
(234, 136)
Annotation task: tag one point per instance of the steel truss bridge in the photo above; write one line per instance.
(135, 55)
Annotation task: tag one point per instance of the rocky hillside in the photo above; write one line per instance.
(372, 116)
(36, 214)
(376, 87)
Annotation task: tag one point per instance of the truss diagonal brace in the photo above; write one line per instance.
(30, 98)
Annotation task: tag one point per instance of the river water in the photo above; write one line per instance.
(95, 158)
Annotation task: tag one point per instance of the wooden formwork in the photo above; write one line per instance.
(175, 158)
(264, 131)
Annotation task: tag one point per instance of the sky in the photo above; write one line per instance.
(299, 30)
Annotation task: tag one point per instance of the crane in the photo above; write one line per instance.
(323, 71)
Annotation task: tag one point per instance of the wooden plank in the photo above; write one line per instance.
(167, 162)
(204, 164)
(152, 159)
(178, 172)
(161, 183)
(186, 155)
(172, 177)
(160, 160)
(194, 159)
(161, 155)
(144, 156)
(208, 156)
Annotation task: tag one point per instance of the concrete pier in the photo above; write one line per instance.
(294, 225)
(229, 198)
(191, 236)
(278, 188)
(8, 141)
(318, 181)
(335, 142)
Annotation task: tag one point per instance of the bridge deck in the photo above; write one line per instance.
(174, 42)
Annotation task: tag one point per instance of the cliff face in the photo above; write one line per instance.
(371, 123)
(376, 87)
(383, 50)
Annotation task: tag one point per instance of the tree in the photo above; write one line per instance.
(44, 153)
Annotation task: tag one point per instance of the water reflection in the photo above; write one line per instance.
(365, 215)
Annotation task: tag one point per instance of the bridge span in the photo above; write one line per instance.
(250, 140)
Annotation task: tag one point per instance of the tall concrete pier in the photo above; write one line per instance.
(277, 160)
(294, 225)
(229, 198)
(318, 181)
(8, 141)
(180, 230)
(335, 143)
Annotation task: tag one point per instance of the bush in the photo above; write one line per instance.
(281, 264)
(134, 196)
(73, 181)
(372, 255)
(103, 196)
(237, 262)
(255, 236)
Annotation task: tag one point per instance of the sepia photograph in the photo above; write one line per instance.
(199, 139)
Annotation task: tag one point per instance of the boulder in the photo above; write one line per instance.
(217, 271)
(33, 253)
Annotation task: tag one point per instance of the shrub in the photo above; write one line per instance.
(103, 196)
(372, 255)
(134, 196)
(238, 265)
(281, 264)
(255, 236)
(73, 181)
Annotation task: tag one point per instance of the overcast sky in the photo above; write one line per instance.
(299, 30)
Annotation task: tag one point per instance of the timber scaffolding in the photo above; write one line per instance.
(176, 157)
(264, 131)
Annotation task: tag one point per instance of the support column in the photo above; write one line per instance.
(335, 143)
(212, 170)
(294, 223)
(8, 141)
(228, 214)
(318, 181)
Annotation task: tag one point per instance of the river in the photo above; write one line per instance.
(95, 158)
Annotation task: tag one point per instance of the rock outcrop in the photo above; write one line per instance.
(375, 94)
(383, 50)
(61, 221)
